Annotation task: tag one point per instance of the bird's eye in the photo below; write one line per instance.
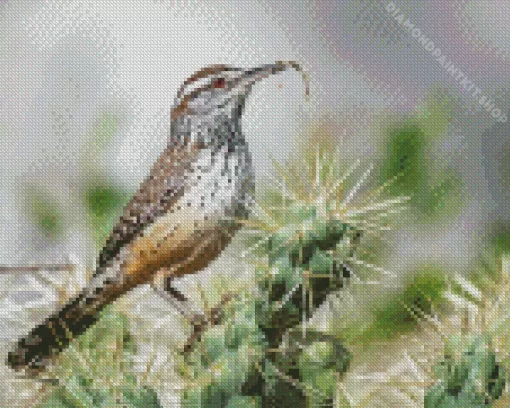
(219, 83)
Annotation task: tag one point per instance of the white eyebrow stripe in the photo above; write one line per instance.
(188, 89)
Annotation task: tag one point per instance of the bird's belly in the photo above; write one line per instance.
(168, 241)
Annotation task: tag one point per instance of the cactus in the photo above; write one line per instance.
(469, 376)
(474, 369)
(261, 352)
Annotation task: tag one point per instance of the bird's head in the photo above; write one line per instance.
(225, 88)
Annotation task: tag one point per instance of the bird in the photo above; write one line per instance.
(184, 214)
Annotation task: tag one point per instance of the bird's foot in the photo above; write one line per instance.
(201, 322)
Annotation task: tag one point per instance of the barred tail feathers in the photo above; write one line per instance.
(49, 338)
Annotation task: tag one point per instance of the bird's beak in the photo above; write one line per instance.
(251, 76)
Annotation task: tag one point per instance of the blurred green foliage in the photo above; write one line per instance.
(103, 199)
(443, 197)
(436, 113)
(97, 370)
(405, 158)
(45, 211)
(501, 242)
(434, 192)
(401, 311)
(103, 202)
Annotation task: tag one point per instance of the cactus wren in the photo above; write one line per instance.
(183, 215)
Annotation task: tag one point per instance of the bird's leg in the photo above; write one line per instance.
(162, 285)
(172, 291)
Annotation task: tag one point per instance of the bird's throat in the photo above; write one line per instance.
(212, 131)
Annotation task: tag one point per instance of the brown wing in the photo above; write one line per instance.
(157, 194)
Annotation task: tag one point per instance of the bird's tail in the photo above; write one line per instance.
(34, 351)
